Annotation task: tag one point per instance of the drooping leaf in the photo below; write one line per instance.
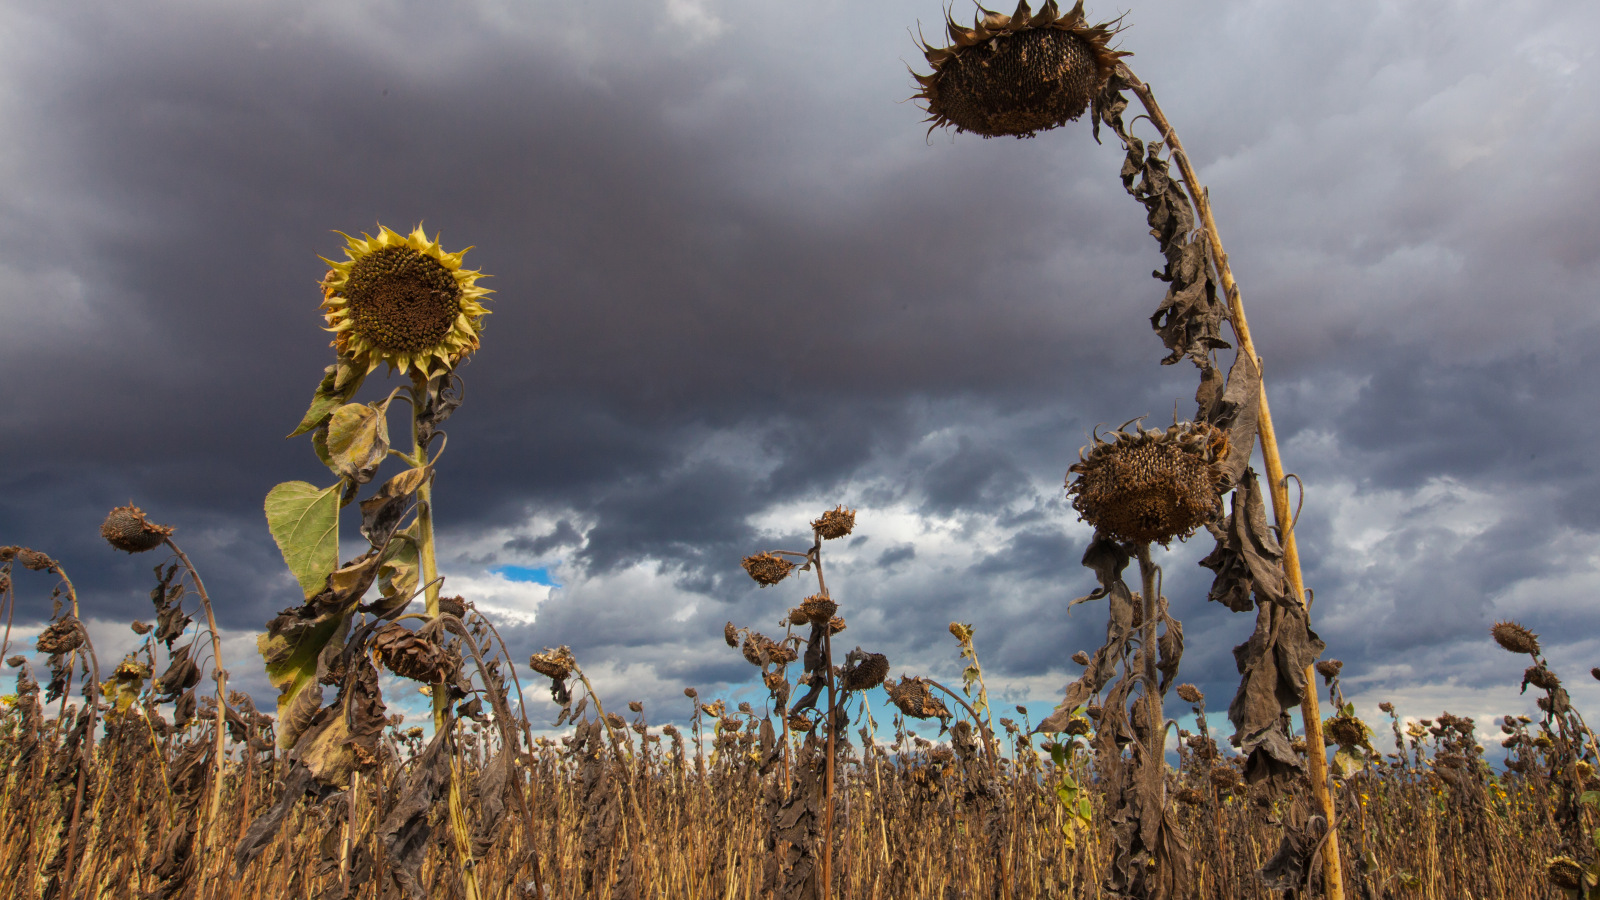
(1237, 411)
(344, 736)
(304, 521)
(358, 439)
(1247, 558)
(381, 513)
(265, 827)
(181, 674)
(406, 829)
(339, 383)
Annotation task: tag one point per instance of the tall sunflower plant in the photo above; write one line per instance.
(401, 301)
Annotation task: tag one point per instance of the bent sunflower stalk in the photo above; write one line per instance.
(1021, 74)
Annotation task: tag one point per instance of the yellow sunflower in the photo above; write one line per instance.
(400, 299)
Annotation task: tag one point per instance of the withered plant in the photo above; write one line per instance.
(1024, 73)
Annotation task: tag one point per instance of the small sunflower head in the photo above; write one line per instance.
(730, 634)
(835, 523)
(1190, 694)
(914, 699)
(1151, 485)
(1515, 638)
(557, 664)
(767, 569)
(1347, 731)
(1329, 668)
(1018, 74)
(864, 671)
(126, 528)
(815, 609)
(402, 300)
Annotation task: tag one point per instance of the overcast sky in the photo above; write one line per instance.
(739, 284)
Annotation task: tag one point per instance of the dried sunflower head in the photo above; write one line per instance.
(126, 528)
(1515, 638)
(1151, 485)
(1191, 694)
(410, 655)
(864, 671)
(835, 625)
(555, 664)
(1018, 74)
(34, 561)
(1329, 668)
(835, 523)
(1541, 678)
(400, 299)
(914, 699)
(1347, 731)
(767, 568)
(816, 609)
(64, 635)
(730, 634)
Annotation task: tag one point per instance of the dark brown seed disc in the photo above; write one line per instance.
(1017, 84)
(402, 300)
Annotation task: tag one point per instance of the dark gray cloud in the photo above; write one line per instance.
(737, 285)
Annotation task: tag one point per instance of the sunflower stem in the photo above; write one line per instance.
(1310, 709)
(429, 566)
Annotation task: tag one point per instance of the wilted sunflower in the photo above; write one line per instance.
(1150, 485)
(1018, 74)
(400, 299)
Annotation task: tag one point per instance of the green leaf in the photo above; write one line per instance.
(304, 521)
(292, 648)
(339, 384)
(1590, 797)
(358, 439)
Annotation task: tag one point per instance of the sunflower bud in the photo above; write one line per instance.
(1515, 638)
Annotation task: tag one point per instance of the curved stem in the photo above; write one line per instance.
(214, 804)
(988, 736)
(1309, 704)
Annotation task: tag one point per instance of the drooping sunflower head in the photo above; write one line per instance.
(1019, 74)
(402, 300)
(1150, 485)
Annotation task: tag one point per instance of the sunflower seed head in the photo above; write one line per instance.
(1191, 694)
(1149, 486)
(127, 529)
(767, 569)
(835, 523)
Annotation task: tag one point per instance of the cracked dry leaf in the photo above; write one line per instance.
(1247, 558)
(1272, 665)
(407, 827)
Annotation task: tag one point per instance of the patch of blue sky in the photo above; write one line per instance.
(529, 574)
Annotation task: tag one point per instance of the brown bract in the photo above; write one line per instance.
(1019, 74)
(835, 523)
(1150, 486)
(1515, 638)
(767, 569)
(127, 529)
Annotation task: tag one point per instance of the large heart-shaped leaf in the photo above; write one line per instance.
(304, 520)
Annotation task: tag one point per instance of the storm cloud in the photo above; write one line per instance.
(738, 283)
